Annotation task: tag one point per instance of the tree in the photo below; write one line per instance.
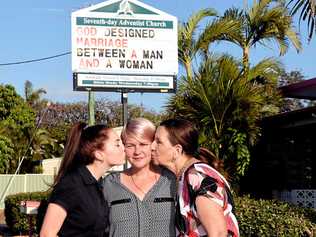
(17, 118)
(287, 78)
(33, 97)
(20, 131)
(191, 43)
(226, 106)
(226, 97)
(42, 146)
(307, 13)
(265, 21)
(290, 104)
(60, 117)
(6, 154)
(107, 112)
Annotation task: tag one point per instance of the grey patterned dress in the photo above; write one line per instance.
(152, 217)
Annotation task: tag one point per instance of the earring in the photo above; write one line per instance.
(174, 158)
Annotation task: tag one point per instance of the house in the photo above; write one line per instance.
(284, 160)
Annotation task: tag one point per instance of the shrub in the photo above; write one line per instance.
(262, 218)
(257, 218)
(18, 222)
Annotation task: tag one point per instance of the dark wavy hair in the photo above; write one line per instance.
(184, 132)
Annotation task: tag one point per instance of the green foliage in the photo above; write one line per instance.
(226, 106)
(257, 218)
(33, 97)
(59, 134)
(18, 222)
(18, 123)
(264, 22)
(194, 41)
(17, 119)
(238, 146)
(225, 97)
(6, 154)
(307, 13)
(41, 143)
(265, 218)
(60, 117)
(14, 112)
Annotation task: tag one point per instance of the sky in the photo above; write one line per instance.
(42, 28)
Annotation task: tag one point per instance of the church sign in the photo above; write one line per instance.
(124, 44)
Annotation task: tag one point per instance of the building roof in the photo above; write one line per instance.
(292, 119)
(301, 90)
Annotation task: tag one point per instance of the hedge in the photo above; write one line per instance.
(18, 222)
(257, 218)
(262, 218)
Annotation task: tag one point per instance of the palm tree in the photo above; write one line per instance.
(226, 97)
(33, 97)
(307, 10)
(226, 106)
(265, 21)
(191, 42)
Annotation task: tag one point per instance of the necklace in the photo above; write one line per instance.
(186, 165)
(139, 188)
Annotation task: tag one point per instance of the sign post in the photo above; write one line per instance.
(124, 99)
(30, 209)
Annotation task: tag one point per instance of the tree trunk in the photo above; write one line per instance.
(245, 60)
(188, 70)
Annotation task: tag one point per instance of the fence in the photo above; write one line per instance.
(300, 197)
(24, 183)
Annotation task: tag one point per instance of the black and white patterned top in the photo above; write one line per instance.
(152, 217)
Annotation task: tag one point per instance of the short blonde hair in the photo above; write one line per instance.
(139, 128)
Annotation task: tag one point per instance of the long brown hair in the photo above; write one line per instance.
(82, 142)
(183, 132)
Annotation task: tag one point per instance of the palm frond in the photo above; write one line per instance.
(187, 38)
(187, 33)
(238, 17)
(219, 29)
(267, 70)
(307, 11)
(196, 18)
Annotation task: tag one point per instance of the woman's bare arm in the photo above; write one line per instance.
(211, 216)
(53, 220)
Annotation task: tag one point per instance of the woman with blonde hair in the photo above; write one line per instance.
(141, 198)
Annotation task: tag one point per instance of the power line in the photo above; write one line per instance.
(35, 60)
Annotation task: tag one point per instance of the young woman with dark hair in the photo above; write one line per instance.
(77, 206)
(204, 205)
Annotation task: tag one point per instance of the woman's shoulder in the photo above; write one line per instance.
(69, 180)
(167, 173)
(204, 170)
(67, 187)
(112, 177)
